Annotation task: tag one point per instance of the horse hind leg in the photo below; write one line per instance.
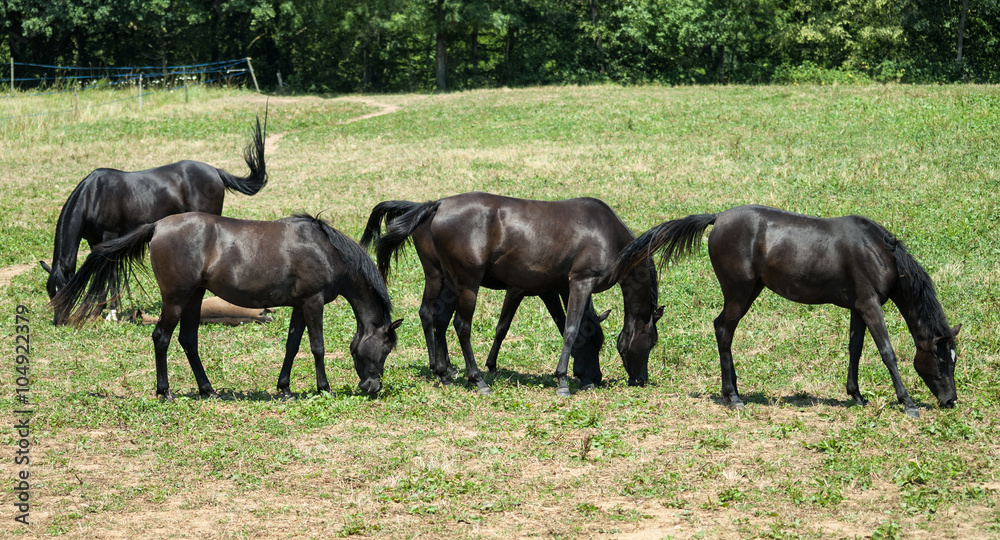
(855, 345)
(463, 327)
(511, 301)
(737, 302)
(296, 326)
(188, 338)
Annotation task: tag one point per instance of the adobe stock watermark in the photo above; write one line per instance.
(22, 415)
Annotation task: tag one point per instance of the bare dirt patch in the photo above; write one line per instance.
(10, 272)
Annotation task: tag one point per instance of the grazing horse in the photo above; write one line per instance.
(533, 247)
(586, 350)
(299, 261)
(851, 262)
(109, 203)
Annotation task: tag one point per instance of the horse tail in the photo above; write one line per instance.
(107, 268)
(383, 213)
(398, 232)
(254, 157)
(676, 238)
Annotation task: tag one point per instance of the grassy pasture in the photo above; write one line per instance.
(422, 461)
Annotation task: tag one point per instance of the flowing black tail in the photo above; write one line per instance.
(383, 213)
(677, 238)
(107, 268)
(254, 156)
(399, 230)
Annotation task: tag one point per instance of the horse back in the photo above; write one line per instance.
(116, 202)
(803, 258)
(530, 242)
(249, 263)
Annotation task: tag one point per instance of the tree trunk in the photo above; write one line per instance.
(441, 48)
(961, 28)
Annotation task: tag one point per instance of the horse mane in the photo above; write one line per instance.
(65, 214)
(358, 262)
(917, 292)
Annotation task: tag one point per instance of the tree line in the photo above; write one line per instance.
(419, 45)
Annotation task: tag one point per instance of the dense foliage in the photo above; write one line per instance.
(408, 45)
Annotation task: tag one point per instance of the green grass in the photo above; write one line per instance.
(665, 461)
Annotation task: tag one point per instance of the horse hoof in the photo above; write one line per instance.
(485, 390)
(562, 392)
(912, 412)
(738, 405)
(588, 387)
(287, 395)
(167, 396)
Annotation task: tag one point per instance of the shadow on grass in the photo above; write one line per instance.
(801, 400)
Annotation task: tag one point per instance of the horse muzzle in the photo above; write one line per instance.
(638, 381)
(950, 404)
(371, 386)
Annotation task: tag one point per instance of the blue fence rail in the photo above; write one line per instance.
(53, 79)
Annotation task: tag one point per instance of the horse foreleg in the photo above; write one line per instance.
(855, 345)
(876, 326)
(579, 300)
(313, 314)
(463, 327)
(296, 325)
(188, 338)
(511, 301)
(587, 349)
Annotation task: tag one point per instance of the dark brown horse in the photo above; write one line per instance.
(851, 262)
(533, 247)
(109, 203)
(586, 350)
(300, 262)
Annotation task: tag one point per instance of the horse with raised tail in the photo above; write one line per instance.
(851, 262)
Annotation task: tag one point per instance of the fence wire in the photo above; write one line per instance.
(30, 80)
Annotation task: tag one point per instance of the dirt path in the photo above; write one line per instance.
(383, 109)
(8, 273)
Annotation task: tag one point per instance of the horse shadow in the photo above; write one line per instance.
(798, 400)
(508, 376)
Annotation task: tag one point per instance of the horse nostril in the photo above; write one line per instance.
(950, 404)
(371, 386)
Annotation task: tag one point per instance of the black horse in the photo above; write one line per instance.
(851, 262)
(533, 247)
(109, 203)
(299, 261)
(586, 350)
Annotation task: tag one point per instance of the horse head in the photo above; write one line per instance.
(369, 348)
(56, 280)
(639, 335)
(935, 363)
(637, 339)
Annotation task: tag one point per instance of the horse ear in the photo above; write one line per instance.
(956, 330)
(396, 324)
(657, 314)
(48, 269)
(602, 316)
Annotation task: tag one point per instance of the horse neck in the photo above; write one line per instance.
(639, 292)
(369, 308)
(67, 238)
(923, 315)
